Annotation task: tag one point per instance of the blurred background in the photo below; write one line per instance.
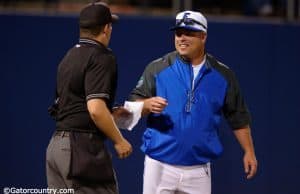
(288, 9)
(258, 39)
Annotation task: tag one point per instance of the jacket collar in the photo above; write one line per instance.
(207, 64)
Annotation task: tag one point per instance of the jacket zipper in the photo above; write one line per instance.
(191, 92)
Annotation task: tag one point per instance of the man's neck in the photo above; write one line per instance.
(102, 39)
(197, 60)
(99, 39)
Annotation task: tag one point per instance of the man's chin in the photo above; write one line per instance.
(182, 53)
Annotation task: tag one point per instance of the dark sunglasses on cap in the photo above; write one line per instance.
(188, 21)
(191, 33)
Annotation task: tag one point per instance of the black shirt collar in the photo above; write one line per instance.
(91, 41)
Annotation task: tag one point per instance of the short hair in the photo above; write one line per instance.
(91, 32)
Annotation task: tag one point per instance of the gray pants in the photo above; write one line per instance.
(57, 165)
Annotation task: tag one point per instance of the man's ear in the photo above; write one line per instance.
(203, 36)
(106, 28)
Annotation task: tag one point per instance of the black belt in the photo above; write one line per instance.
(62, 133)
(78, 130)
(66, 133)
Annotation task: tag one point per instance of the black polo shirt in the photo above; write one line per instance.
(87, 71)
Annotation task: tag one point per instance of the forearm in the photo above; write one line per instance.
(104, 120)
(244, 137)
(145, 110)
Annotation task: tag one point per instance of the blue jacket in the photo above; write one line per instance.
(186, 132)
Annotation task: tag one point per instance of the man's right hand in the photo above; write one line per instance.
(154, 105)
(123, 148)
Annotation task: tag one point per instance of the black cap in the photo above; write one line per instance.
(96, 14)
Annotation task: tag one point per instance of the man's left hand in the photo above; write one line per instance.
(250, 164)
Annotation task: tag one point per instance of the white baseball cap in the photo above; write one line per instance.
(190, 20)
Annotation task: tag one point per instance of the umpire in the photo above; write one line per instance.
(86, 83)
